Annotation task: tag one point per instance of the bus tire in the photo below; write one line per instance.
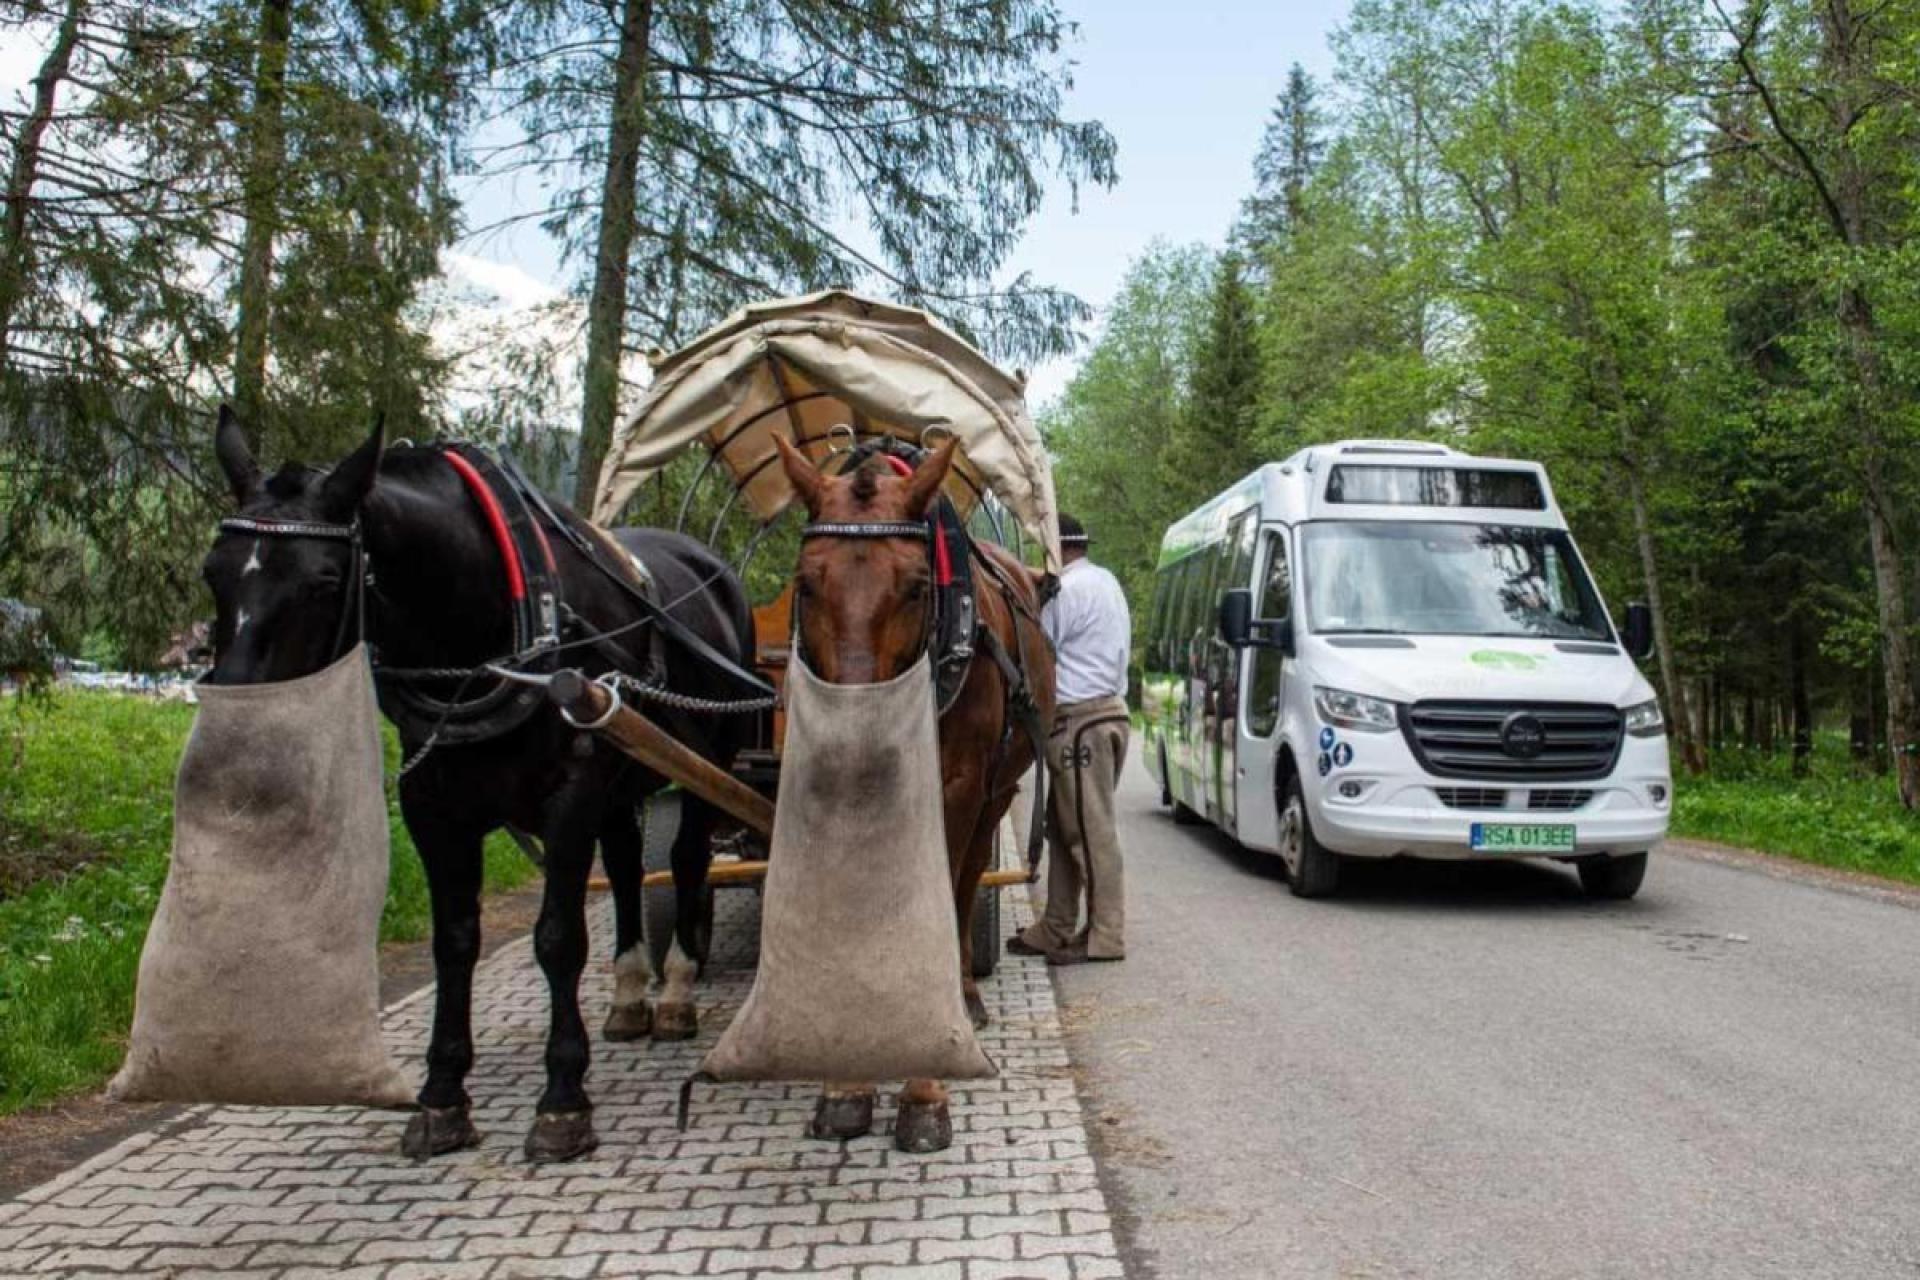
(1166, 780)
(1313, 870)
(1185, 817)
(1613, 879)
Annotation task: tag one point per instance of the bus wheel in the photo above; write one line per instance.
(1616, 879)
(1313, 870)
(1185, 817)
(1166, 781)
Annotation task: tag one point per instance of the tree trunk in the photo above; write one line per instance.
(1903, 730)
(1802, 703)
(607, 308)
(266, 158)
(1679, 713)
(16, 252)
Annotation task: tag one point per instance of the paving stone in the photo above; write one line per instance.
(308, 1194)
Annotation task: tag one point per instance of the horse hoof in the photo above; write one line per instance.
(675, 1022)
(434, 1131)
(977, 1010)
(922, 1127)
(560, 1135)
(628, 1022)
(837, 1117)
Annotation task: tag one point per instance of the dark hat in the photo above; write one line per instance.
(1072, 534)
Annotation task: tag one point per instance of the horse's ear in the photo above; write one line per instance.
(803, 475)
(236, 460)
(924, 488)
(351, 480)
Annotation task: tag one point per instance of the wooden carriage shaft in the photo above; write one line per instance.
(660, 751)
(724, 873)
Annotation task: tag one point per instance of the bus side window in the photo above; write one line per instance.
(1199, 621)
(1241, 535)
(1169, 638)
(1157, 617)
(1275, 603)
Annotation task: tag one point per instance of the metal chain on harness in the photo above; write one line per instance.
(685, 701)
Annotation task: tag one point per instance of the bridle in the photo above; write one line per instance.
(873, 530)
(353, 608)
(927, 531)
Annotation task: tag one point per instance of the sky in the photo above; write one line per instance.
(1185, 88)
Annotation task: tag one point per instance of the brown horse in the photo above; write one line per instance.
(863, 604)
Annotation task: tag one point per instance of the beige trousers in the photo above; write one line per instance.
(1085, 753)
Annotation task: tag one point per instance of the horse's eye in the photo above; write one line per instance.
(917, 589)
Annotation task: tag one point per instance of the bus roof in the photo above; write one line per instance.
(1378, 480)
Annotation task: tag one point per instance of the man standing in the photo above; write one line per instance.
(1091, 633)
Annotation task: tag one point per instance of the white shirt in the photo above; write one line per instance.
(1091, 633)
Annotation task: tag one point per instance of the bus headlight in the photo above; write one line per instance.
(1355, 710)
(1645, 720)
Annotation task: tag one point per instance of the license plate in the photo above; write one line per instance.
(1510, 837)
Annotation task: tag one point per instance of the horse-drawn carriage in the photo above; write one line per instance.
(840, 378)
(420, 563)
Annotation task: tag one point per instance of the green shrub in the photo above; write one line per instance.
(91, 775)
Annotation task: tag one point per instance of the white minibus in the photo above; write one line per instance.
(1382, 648)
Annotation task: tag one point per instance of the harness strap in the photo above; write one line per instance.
(662, 616)
(496, 522)
(1020, 701)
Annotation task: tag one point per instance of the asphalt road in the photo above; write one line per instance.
(1472, 1071)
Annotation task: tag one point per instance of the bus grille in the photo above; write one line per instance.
(1472, 797)
(1558, 799)
(1572, 742)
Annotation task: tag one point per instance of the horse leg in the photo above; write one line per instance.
(923, 1122)
(969, 849)
(844, 1111)
(451, 856)
(966, 896)
(563, 1120)
(674, 1017)
(629, 1018)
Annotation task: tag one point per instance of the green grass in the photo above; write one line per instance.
(1835, 816)
(91, 775)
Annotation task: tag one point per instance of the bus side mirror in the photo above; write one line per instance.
(1236, 617)
(1241, 630)
(1637, 635)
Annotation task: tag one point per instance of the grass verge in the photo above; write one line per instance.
(87, 780)
(1834, 816)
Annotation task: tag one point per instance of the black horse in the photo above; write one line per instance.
(432, 593)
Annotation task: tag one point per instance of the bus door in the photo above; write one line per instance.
(1196, 722)
(1234, 556)
(1265, 672)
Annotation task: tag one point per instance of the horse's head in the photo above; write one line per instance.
(281, 593)
(863, 602)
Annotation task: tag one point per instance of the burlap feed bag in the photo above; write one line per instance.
(260, 981)
(859, 974)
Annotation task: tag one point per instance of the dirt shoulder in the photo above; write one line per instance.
(1782, 867)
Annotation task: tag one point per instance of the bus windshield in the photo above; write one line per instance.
(1378, 577)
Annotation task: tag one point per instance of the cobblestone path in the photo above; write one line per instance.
(324, 1193)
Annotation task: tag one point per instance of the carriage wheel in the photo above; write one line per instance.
(659, 824)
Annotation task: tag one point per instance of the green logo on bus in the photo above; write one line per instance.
(1503, 660)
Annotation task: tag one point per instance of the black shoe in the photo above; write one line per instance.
(1019, 946)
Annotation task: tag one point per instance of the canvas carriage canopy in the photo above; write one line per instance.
(803, 367)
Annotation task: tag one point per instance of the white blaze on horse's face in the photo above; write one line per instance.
(240, 621)
(253, 564)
